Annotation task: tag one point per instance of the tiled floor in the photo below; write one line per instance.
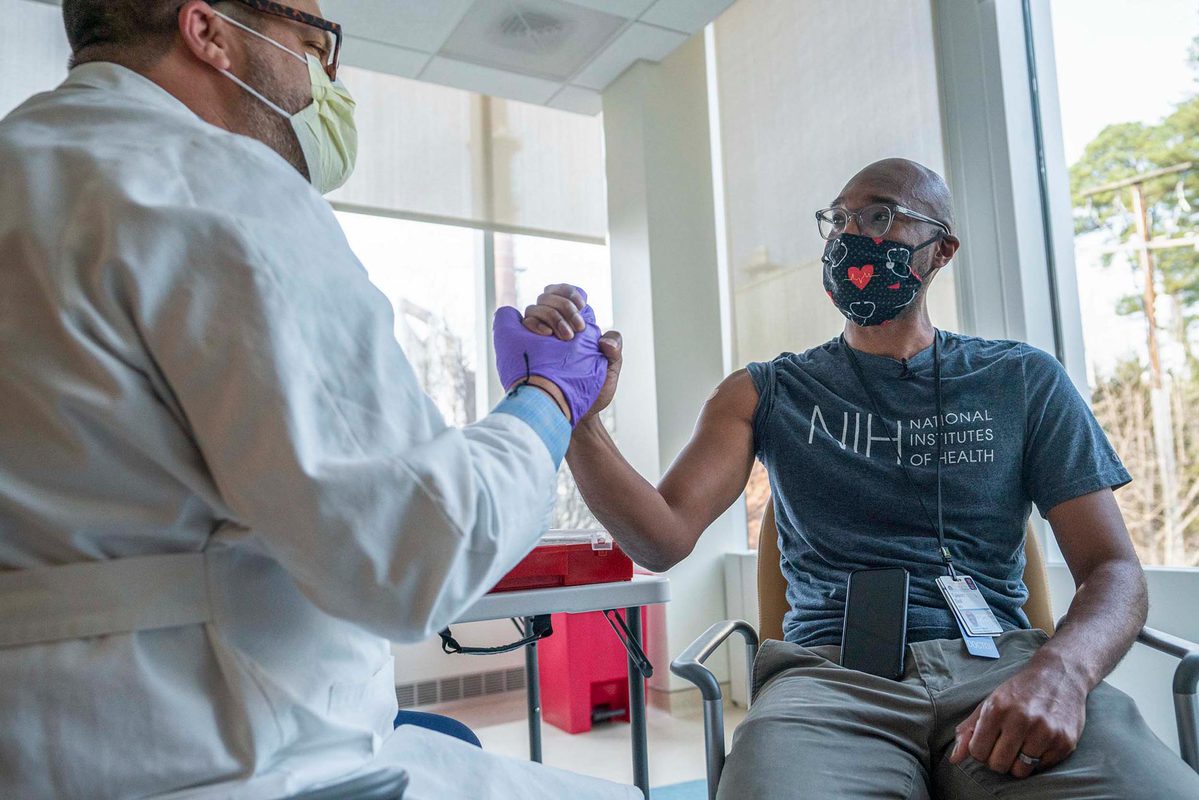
(676, 740)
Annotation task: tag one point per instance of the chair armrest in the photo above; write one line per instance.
(690, 666)
(1186, 677)
(690, 663)
(1186, 685)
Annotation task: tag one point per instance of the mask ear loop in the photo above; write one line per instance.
(250, 89)
(918, 248)
(264, 37)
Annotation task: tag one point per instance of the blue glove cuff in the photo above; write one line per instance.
(542, 414)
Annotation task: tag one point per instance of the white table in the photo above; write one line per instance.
(643, 590)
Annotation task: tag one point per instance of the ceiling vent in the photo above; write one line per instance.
(542, 38)
(542, 32)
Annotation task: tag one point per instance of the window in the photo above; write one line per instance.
(1129, 88)
(431, 275)
(524, 266)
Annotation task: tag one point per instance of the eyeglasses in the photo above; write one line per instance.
(874, 220)
(331, 54)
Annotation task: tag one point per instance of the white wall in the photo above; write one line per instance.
(666, 289)
(797, 119)
(33, 51)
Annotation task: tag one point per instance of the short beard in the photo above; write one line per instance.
(262, 122)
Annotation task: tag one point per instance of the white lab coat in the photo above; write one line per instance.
(191, 359)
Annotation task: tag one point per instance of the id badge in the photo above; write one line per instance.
(968, 605)
(980, 646)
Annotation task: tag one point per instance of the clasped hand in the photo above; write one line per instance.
(558, 341)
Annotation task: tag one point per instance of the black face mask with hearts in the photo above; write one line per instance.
(871, 281)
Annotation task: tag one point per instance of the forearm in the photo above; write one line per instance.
(628, 506)
(1108, 610)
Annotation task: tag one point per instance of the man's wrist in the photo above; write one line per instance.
(1055, 665)
(589, 428)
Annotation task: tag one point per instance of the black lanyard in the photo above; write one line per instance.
(939, 526)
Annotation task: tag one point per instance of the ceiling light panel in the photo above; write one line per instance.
(544, 38)
(637, 42)
(689, 16)
(415, 24)
(625, 8)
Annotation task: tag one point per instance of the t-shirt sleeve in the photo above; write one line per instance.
(762, 374)
(1066, 452)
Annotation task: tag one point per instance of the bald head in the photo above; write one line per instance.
(901, 181)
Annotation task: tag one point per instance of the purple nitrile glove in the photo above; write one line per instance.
(576, 367)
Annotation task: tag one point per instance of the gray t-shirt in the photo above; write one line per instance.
(1016, 432)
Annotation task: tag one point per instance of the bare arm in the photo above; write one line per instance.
(1111, 601)
(1042, 709)
(659, 526)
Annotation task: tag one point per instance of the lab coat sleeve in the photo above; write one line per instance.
(282, 360)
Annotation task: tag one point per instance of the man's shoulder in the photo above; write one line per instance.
(120, 144)
(977, 352)
(811, 359)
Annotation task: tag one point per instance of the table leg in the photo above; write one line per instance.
(637, 709)
(533, 691)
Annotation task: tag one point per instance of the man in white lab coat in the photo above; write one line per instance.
(221, 490)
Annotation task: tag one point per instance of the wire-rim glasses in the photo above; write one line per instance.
(874, 220)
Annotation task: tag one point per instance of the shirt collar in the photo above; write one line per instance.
(112, 77)
(885, 365)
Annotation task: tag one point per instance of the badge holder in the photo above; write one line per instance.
(974, 617)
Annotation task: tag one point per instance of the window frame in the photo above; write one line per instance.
(1007, 168)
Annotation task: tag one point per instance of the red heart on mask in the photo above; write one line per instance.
(893, 287)
(878, 240)
(860, 276)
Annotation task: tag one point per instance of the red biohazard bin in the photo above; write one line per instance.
(583, 667)
(584, 673)
(569, 558)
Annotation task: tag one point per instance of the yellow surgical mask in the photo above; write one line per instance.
(325, 128)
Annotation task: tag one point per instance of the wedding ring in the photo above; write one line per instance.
(1028, 760)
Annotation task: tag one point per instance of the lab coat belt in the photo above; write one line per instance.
(120, 595)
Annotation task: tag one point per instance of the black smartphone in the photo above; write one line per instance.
(874, 636)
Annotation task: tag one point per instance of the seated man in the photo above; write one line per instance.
(848, 433)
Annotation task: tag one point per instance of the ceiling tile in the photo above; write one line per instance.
(625, 8)
(489, 81)
(545, 38)
(637, 42)
(383, 58)
(689, 16)
(415, 24)
(578, 100)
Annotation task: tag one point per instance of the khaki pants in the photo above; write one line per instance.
(819, 730)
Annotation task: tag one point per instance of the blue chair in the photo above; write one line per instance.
(439, 723)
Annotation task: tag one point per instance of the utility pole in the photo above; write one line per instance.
(1149, 296)
(1173, 546)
